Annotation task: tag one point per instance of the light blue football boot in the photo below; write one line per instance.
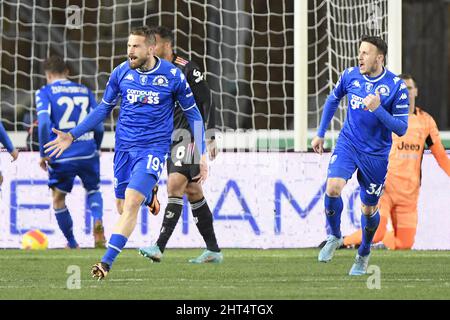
(208, 257)
(152, 252)
(327, 252)
(359, 268)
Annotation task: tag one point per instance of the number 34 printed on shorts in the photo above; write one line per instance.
(375, 189)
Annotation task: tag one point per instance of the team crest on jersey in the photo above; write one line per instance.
(143, 79)
(160, 81)
(369, 87)
(383, 90)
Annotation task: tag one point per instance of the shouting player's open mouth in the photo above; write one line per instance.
(135, 62)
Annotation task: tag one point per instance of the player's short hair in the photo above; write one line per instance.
(55, 64)
(164, 33)
(145, 32)
(377, 42)
(408, 76)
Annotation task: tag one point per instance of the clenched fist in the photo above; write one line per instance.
(372, 102)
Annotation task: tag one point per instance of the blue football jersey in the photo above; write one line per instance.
(362, 128)
(147, 104)
(66, 104)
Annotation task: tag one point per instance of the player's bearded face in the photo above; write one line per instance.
(369, 59)
(138, 51)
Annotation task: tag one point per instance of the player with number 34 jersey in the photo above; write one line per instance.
(377, 106)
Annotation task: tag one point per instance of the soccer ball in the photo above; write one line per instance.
(34, 240)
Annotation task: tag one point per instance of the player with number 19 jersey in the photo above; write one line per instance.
(145, 124)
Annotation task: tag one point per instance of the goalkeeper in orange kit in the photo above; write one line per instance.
(401, 191)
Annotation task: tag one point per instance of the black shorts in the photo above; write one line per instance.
(184, 159)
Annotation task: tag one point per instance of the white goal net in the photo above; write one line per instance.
(246, 49)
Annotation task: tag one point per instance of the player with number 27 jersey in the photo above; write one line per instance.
(61, 105)
(65, 104)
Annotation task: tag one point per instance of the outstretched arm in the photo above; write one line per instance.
(93, 119)
(64, 140)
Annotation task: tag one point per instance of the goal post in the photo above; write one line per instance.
(300, 76)
(394, 56)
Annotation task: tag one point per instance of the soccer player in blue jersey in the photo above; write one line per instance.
(149, 87)
(182, 171)
(62, 104)
(377, 106)
(6, 142)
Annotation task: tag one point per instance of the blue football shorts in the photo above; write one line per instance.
(62, 174)
(371, 171)
(137, 170)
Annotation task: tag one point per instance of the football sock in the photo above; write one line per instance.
(171, 216)
(355, 237)
(115, 246)
(333, 210)
(95, 203)
(204, 221)
(65, 223)
(369, 225)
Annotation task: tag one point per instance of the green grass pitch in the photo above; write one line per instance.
(244, 274)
